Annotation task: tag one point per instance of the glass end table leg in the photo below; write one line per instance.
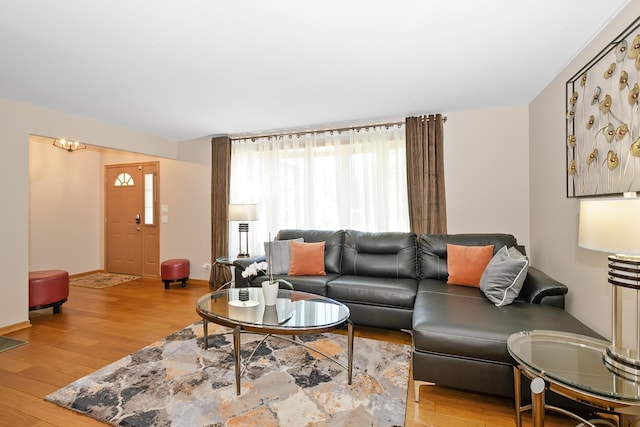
(236, 356)
(537, 401)
(350, 350)
(205, 330)
(517, 394)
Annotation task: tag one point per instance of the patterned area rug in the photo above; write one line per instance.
(101, 280)
(175, 382)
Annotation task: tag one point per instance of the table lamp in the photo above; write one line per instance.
(613, 226)
(243, 213)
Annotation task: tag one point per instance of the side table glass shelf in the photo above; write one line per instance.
(572, 366)
(220, 272)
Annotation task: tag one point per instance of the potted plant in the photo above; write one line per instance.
(270, 287)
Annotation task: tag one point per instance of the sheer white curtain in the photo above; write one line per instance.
(341, 179)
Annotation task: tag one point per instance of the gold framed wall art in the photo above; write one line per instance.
(603, 120)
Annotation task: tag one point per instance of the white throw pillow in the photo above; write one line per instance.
(504, 276)
(279, 255)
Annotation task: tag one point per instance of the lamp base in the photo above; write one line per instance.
(621, 364)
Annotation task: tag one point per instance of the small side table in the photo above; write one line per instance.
(574, 367)
(220, 272)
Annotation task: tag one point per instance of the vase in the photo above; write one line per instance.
(270, 315)
(269, 292)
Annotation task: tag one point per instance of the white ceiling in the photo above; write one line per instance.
(190, 68)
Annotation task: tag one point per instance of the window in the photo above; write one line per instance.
(123, 180)
(354, 178)
(149, 198)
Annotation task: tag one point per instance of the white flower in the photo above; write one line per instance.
(255, 268)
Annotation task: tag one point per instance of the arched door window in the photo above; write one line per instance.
(123, 180)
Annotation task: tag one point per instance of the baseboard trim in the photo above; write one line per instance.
(198, 282)
(15, 327)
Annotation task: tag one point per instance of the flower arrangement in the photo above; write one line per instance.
(264, 267)
(255, 269)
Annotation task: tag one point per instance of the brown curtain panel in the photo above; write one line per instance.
(425, 174)
(220, 188)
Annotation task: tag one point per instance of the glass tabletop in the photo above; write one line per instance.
(293, 310)
(571, 360)
(226, 260)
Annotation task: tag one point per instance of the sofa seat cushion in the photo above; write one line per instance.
(382, 291)
(474, 328)
(311, 284)
(441, 287)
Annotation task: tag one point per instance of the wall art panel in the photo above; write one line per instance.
(603, 120)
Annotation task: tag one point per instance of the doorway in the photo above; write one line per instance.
(132, 232)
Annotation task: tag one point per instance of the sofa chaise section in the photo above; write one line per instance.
(460, 337)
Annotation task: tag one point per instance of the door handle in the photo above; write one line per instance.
(137, 228)
(138, 219)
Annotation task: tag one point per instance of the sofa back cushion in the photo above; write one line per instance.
(332, 246)
(433, 250)
(388, 254)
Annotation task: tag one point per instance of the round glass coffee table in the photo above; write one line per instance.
(295, 313)
(572, 366)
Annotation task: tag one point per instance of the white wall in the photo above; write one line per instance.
(65, 194)
(186, 187)
(17, 122)
(14, 217)
(554, 218)
(487, 172)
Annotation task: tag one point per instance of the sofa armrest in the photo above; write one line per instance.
(240, 264)
(539, 288)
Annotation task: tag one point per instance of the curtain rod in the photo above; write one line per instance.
(305, 131)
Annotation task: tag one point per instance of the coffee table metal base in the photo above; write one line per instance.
(538, 404)
(237, 331)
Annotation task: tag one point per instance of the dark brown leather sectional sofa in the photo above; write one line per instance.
(397, 280)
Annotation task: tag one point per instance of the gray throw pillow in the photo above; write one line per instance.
(279, 255)
(504, 276)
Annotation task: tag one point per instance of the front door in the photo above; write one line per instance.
(131, 229)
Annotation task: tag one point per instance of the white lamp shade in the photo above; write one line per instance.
(610, 225)
(243, 212)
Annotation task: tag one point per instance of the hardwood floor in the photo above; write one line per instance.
(99, 326)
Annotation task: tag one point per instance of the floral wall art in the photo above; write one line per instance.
(603, 120)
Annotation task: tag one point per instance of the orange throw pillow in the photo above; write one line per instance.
(306, 259)
(467, 263)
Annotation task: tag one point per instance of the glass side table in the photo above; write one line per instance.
(572, 366)
(220, 272)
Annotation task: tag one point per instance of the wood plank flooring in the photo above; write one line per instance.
(99, 326)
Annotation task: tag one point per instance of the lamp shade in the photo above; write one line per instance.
(610, 225)
(243, 212)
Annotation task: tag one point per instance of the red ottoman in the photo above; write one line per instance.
(48, 288)
(174, 270)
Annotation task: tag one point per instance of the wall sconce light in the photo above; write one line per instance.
(611, 225)
(243, 213)
(69, 146)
